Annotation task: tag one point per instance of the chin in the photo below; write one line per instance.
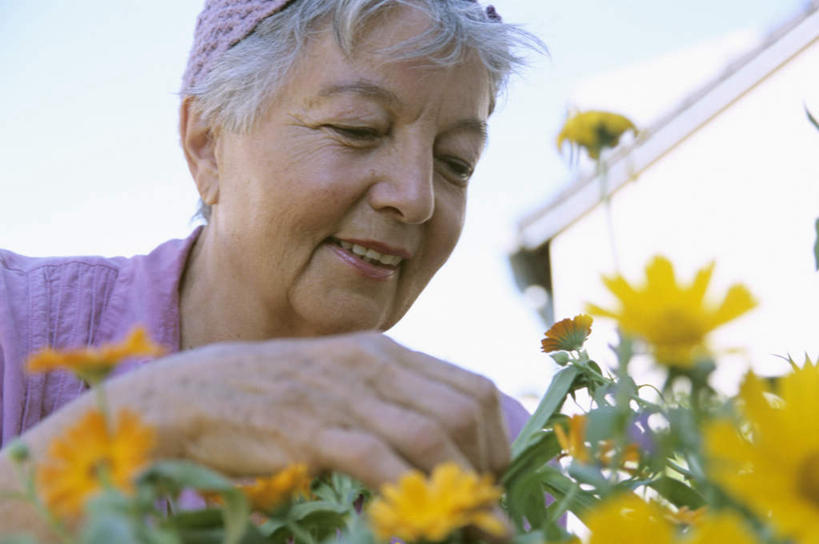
(347, 319)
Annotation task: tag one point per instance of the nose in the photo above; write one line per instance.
(404, 186)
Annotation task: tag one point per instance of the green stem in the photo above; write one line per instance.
(45, 514)
(300, 534)
(102, 404)
(605, 198)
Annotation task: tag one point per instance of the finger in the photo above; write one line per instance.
(455, 412)
(416, 437)
(485, 394)
(360, 454)
(238, 453)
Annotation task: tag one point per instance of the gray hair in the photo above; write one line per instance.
(233, 95)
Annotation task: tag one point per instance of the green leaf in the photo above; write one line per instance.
(340, 489)
(589, 474)
(177, 475)
(173, 476)
(304, 509)
(552, 400)
(542, 449)
(525, 496)
(560, 485)
(526, 499)
(602, 423)
(114, 517)
(204, 518)
(677, 492)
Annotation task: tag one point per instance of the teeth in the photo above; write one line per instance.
(370, 254)
(358, 250)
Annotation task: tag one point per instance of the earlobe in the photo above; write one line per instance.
(199, 144)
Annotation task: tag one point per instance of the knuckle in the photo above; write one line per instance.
(485, 391)
(464, 418)
(425, 438)
(364, 450)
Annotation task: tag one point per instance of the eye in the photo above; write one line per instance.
(457, 169)
(356, 134)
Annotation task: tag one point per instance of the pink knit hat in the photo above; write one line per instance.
(221, 25)
(224, 23)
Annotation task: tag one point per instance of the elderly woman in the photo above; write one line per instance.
(332, 142)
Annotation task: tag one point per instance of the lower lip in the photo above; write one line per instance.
(366, 269)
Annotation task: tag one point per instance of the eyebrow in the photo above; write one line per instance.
(363, 88)
(371, 90)
(471, 125)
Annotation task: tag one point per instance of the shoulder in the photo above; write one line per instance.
(14, 264)
(515, 415)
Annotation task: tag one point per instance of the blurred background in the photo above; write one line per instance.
(90, 161)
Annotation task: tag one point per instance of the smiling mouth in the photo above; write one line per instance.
(369, 255)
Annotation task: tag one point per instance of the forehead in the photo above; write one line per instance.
(373, 69)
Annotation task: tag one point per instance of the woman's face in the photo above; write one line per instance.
(353, 155)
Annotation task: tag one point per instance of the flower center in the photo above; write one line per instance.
(677, 326)
(808, 478)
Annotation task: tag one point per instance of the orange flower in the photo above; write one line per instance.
(686, 516)
(567, 334)
(94, 364)
(266, 494)
(575, 442)
(89, 457)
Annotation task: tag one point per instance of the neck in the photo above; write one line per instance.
(216, 306)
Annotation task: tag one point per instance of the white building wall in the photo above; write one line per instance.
(742, 190)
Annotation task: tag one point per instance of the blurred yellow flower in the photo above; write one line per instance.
(87, 457)
(719, 528)
(574, 442)
(95, 363)
(417, 508)
(266, 494)
(774, 468)
(594, 131)
(628, 519)
(673, 318)
(567, 334)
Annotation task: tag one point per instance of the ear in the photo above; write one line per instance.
(199, 143)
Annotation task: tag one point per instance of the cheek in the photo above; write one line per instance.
(441, 236)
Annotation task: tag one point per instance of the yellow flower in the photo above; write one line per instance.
(673, 318)
(93, 364)
(88, 457)
(416, 508)
(719, 528)
(567, 334)
(628, 518)
(774, 467)
(266, 494)
(594, 131)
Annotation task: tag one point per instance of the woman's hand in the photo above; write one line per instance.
(357, 403)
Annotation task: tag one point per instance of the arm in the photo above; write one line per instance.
(360, 404)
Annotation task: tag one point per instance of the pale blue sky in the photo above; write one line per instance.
(89, 160)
